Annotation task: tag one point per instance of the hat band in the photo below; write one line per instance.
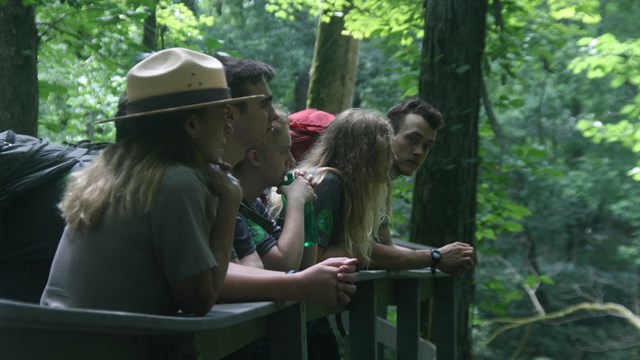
(178, 100)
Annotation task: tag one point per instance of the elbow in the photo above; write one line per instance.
(199, 303)
(203, 311)
(201, 308)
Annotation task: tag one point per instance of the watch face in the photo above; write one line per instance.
(436, 254)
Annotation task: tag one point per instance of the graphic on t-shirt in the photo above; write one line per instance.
(324, 222)
(256, 232)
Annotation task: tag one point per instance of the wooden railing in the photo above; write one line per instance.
(30, 331)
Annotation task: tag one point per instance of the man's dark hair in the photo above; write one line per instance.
(399, 111)
(240, 71)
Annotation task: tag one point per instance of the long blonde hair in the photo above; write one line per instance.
(126, 176)
(357, 147)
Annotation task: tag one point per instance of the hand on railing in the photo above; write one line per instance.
(329, 282)
(457, 258)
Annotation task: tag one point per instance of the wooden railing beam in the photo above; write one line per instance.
(443, 319)
(288, 334)
(32, 331)
(362, 322)
(408, 319)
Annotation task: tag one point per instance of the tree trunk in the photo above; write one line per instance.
(18, 68)
(450, 79)
(300, 91)
(334, 68)
(149, 34)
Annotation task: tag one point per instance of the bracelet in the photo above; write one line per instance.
(435, 260)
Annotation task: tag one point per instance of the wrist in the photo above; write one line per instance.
(293, 200)
(295, 281)
(436, 257)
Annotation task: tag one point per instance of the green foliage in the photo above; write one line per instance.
(238, 25)
(184, 28)
(287, 9)
(580, 225)
(394, 27)
(402, 193)
(86, 49)
(500, 296)
(607, 57)
(585, 11)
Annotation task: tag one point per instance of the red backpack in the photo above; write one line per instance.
(305, 127)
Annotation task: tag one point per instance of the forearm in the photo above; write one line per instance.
(244, 284)
(391, 257)
(221, 244)
(387, 257)
(287, 253)
(252, 260)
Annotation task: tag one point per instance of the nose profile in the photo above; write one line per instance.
(272, 114)
(290, 161)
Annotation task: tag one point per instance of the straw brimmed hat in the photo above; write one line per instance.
(174, 80)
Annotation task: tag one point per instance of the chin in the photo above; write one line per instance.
(407, 172)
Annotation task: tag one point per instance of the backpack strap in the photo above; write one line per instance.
(252, 215)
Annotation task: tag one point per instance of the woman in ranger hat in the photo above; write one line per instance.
(149, 224)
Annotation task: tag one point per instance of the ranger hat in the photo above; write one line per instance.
(176, 79)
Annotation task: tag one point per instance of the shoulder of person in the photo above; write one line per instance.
(179, 176)
(326, 175)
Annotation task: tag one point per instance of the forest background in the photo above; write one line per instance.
(556, 196)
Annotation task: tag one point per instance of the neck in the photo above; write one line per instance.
(249, 182)
(232, 152)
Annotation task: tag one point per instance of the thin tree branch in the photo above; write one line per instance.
(493, 120)
(521, 344)
(89, 45)
(54, 23)
(531, 292)
(611, 309)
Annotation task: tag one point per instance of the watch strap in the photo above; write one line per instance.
(435, 260)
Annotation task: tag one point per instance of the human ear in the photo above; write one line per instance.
(254, 158)
(231, 113)
(191, 125)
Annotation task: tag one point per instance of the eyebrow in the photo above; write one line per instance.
(267, 99)
(420, 136)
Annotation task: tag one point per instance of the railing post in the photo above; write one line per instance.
(408, 319)
(288, 333)
(362, 320)
(445, 333)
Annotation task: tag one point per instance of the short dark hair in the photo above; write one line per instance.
(399, 111)
(240, 71)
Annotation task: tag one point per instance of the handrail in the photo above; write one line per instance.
(32, 331)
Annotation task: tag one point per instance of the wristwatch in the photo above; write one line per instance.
(435, 260)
